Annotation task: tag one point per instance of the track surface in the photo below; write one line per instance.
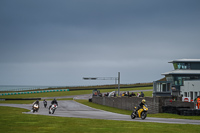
(70, 108)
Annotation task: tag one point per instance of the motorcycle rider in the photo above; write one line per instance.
(45, 102)
(36, 102)
(140, 106)
(53, 102)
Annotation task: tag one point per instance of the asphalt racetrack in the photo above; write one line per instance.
(70, 108)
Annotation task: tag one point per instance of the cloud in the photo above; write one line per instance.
(58, 42)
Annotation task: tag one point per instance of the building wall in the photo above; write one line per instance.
(127, 103)
(190, 88)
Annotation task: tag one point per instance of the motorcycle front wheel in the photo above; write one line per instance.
(133, 115)
(53, 111)
(143, 115)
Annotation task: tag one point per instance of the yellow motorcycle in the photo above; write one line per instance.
(141, 113)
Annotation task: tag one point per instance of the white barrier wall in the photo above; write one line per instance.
(32, 92)
(191, 89)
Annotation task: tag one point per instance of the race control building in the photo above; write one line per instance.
(184, 80)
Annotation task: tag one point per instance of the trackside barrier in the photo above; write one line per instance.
(32, 92)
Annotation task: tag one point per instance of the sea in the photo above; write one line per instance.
(23, 87)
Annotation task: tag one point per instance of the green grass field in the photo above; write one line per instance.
(14, 121)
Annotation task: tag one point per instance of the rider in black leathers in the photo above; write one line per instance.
(53, 102)
(36, 102)
(45, 103)
(141, 105)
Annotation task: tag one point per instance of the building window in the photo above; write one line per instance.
(185, 94)
(195, 95)
(169, 78)
(168, 86)
(191, 95)
(181, 65)
(162, 87)
(180, 80)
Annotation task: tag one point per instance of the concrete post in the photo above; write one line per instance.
(118, 83)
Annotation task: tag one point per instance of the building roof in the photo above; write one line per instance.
(185, 60)
(193, 72)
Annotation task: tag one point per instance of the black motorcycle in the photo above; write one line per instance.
(45, 103)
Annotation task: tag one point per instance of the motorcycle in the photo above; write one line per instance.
(141, 113)
(45, 104)
(52, 109)
(35, 108)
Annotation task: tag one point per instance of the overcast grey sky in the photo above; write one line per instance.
(58, 42)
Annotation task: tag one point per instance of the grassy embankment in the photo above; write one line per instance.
(81, 90)
(102, 87)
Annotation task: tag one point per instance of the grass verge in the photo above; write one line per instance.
(13, 121)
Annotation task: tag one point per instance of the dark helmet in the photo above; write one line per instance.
(37, 102)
